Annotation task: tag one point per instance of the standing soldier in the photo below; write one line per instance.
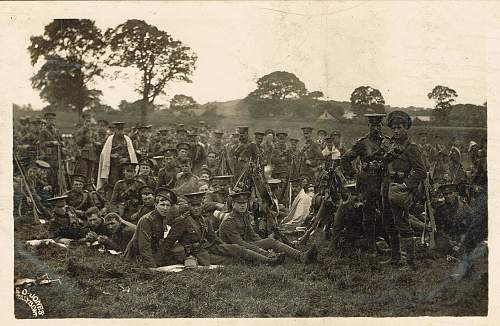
(244, 152)
(321, 135)
(280, 158)
(217, 146)
(309, 155)
(86, 140)
(369, 177)
(51, 143)
(198, 154)
(405, 172)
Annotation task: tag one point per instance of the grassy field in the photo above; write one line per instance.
(95, 285)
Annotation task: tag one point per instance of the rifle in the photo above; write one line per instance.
(430, 211)
(61, 172)
(36, 218)
(314, 223)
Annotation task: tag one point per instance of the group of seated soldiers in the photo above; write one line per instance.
(182, 201)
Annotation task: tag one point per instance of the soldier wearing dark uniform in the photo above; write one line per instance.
(146, 246)
(88, 152)
(237, 229)
(212, 162)
(198, 154)
(261, 157)
(216, 146)
(51, 143)
(125, 197)
(167, 174)
(244, 152)
(148, 203)
(405, 172)
(146, 167)
(78, 197)
(280, 158)
(64, 222)
(309, 155)
(119, 233)
(369, 177)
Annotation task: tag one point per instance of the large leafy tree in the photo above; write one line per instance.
(159, 58)
(366, 99)
(279, 85)
(70, 50)
(444, 98)
(180, 102)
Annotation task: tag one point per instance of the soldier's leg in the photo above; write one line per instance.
(405, 231)
(338, 224)
(237, 251)
(392, 233)
(278, 246)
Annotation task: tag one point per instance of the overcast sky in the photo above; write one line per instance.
(404, 48)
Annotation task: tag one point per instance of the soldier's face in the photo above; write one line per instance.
(195, 208)
(259, 139)
(240, 207)
(94, 221)
(243, 138)
(398, 130)
(169, 159)
(375, 128)
(183, 153)
(162, 205)
(307, 136)
(449, 197)
(211, 158)
(129, 173)
(148, 198)
(185, 167)
(77, 186)
(60, 210)
(144, 170)
(113, 225)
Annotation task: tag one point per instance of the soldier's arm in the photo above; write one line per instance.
(115, 197)
(348, 157)
(418, 172)
(229, 229)
(175, 234)
(144, 238)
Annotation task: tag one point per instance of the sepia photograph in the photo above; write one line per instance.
(254, 159)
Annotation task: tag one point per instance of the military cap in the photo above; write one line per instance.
(49, 115)
(42, 121)
(270, 131)
(180, 125)
(218, 133)
(195, 197)
(296, 180)
(281, 134)
(79, 177)
(179, 130)
(167, 194)
(294, 140)
(243, 129)
(307, 129)
(193, 135)
(163, 131)
(397, 117)
(146, 189)
(202, 122)
(42, 164)
(321, 131)
(328, 138)
(259, 133)
(273, 181)
(146, 161)
(118, 124)
(335, 133)
(448, 188)
(125, 165)
(281, 173)
(58, 201)
(185, 146)
(35, 120)
(350, 187)
(24, 119)
(158, 157)
(111, 217)
(374, 118)
(240, 197)
(170, 152)
(222, 177)
(205, 168)
(235, 134)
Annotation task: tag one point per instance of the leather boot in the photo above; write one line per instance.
(255, 257)
(409, 247)
(395, 251)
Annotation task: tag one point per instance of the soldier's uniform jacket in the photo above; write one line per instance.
(49, 151)
(143, 210)
(126, 193)
(67, 225)
(149, 180)
(237, 229)
(144, 247)
(451, 218)
(120, 238)
(312, 152)
(213, 198)
(371, 155)
(167, 176)
(78, 200)
(85, 139)
(216, 148)
(405, 164)
(280, 159)
(242, 154)
(198, 156)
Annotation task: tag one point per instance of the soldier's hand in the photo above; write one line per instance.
(102, 239)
